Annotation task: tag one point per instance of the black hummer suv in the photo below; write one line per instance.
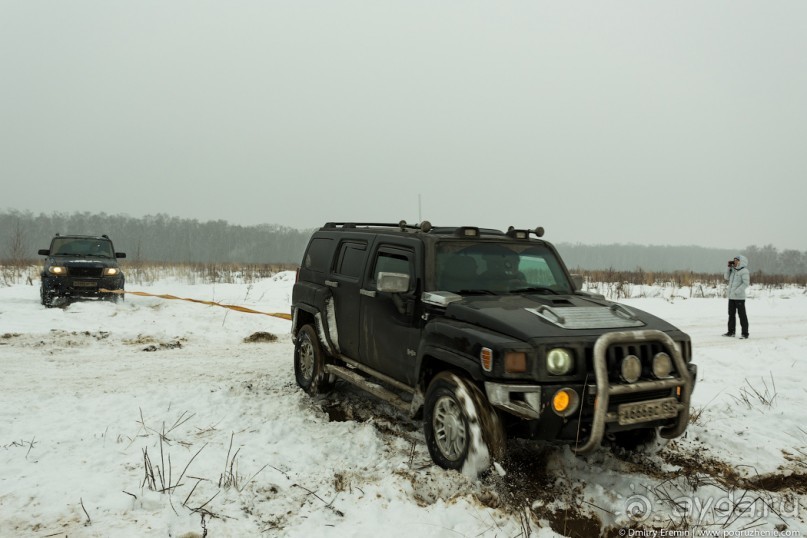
(489, 335)
(80, 266)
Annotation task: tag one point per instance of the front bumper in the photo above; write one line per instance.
(531, 402)
(67, 286)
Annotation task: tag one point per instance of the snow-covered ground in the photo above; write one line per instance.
(154, 417)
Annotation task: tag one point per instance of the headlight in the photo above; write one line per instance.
(57, 270)
(631, 369)
(559, 361)
(662, 365)
(111, 271)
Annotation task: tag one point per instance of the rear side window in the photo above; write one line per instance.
(351, 259)
(319, 253)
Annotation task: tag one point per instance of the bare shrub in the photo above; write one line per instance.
(751, 396)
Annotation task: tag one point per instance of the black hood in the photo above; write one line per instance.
(555, 316)
(77, 260)
(81, 261)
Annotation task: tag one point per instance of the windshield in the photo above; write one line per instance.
(499, 268)
(77, 246)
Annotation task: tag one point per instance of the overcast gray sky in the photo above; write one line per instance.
(681, 123)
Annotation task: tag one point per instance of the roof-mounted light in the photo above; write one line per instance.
(524, 234)
(467, 231)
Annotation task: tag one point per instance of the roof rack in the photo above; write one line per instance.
(465, 231)
(402, 225)
(426, 227)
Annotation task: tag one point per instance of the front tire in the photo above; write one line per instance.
(462, 430)
(309, 363)
(641, 440)
(46, 297)
(114, 297)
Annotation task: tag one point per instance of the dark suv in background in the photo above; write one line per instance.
(487, 336)
(80, 266)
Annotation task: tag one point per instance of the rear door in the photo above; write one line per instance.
(391, 323)
(344, 282)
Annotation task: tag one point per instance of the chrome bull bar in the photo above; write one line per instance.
(605, 390)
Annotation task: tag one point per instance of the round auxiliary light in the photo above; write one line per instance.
(662, 365)
(539, 231)
(631, 369)
(565, 402)
(559, 361)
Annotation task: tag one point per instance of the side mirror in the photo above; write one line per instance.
(44, 252)
(120, 254)
(393, 282)
(578, 280)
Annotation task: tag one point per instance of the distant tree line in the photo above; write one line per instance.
(768, 259)
(163, 238)
(156, 238)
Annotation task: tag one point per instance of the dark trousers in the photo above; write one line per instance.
(737, 306)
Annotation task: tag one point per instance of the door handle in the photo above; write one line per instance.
(332, 283)
(367, 293)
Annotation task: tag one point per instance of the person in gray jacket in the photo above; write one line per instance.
(739, 278)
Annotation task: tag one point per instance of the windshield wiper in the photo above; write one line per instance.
(535, 289)
(476, 291)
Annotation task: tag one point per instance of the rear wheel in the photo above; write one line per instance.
(309, 363)
(463, 432)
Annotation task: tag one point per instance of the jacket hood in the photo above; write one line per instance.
(743, 261)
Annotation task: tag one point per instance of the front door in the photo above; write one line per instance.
(391, 325)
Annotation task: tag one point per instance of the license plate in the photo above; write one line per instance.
(635, 413)
(84, 284)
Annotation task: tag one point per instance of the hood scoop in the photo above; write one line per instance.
(615, 316)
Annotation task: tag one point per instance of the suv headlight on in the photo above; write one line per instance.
(57, 270)
(111, 271)
(559, 361)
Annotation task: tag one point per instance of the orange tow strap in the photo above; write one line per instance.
(211, 303)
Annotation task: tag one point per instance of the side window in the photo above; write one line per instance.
(351, 259)
(394, 261)
(318, 256)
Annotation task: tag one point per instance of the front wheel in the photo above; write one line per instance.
(463, 432)
(113, 297)
(642, 440)
(309, 363)
(46, 297)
